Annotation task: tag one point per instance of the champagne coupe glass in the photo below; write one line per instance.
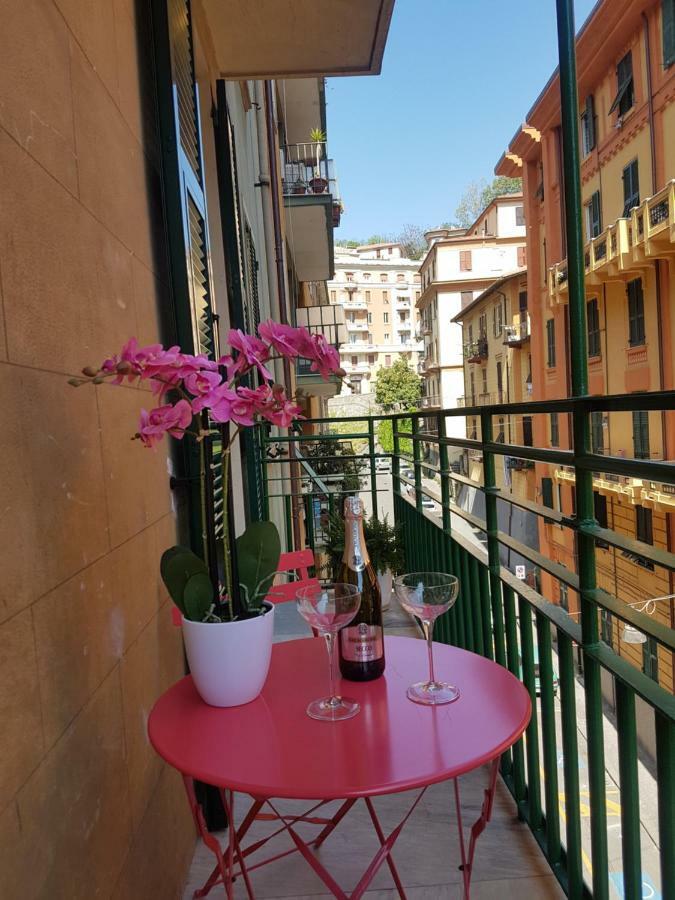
(427, 595)
(328, 608)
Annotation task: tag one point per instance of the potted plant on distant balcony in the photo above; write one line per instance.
(318, 184)
(227, 629)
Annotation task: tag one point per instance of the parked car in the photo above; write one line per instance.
(383, 464)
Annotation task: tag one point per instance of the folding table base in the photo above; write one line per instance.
(231, 860)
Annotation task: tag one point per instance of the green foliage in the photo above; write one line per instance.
(351, 245)
(410, 237)
(398, 387)
(384, 543)
(335, 457)
(258, 552)
(385, 436)
(317, 135)
(479, 194)
(187, 580)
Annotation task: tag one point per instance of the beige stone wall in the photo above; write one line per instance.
(86, 808)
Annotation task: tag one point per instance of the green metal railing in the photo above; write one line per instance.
(501, 617)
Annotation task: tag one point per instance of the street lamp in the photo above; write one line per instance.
(630, 634)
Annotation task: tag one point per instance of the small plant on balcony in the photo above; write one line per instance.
(317, 183)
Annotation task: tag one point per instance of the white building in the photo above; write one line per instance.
(459, 265)
(378, 288)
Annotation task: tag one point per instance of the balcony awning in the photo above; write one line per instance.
(297, 38)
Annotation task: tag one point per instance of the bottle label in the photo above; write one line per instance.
(362, 643)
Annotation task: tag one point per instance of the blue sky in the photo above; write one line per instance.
(457, 80)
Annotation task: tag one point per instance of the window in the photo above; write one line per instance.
(400, 279)
(597, 433)
(631, 187)
(474, 430)
(527, 433)
(640, 434)
(473, 393)
(636, 313)
(484, 379)
(606, 627)
(333, 296)
(588, 126)
(384, 277)
(643, 525)
(367, 296)
(521, 257)
(369, 338)
(349, 276)
(352, 338)
(522, 302)
(371, 359)
(482, 325)
(417, 295)
(593, 326)
(500, 433)
(600, 513)
(385, 296)
(563, 596)
(650, 659)
(467, 297)
(366, 276)
(668, 31)
(593, 216)
(500, 386)
(520, 215)
(498, 319)
(387, 360)
(464, 260)
(386, 336)
(385, 318)
(555, 430)
(625, 91)
(355, 360)
(370, 318)
(550, 343)
(547, 492)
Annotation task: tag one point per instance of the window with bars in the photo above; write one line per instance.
(464, 260)
(650, 658)
(636, 313)
(555, 430)
(640, 434)
(631, 187)
(597, 432)
(593, 327)
(668, 31)
(625, 88)
(550, 343)
(588, 140)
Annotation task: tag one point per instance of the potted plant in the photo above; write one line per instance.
(318, 184)
(227, 627)
(385, 548)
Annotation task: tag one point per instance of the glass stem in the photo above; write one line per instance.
(330, 647)
(429, 634)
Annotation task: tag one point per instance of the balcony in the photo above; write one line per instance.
(516, 334)
(570, 673)
(476, 351)
(313, 205)
(433, 401)
(328, 320)
(356, 325)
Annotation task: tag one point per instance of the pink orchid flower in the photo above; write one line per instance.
(201, 382)
(171, 419)
(325, 358)
(251, 350)
(286, 340)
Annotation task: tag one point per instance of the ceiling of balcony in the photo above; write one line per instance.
(298, 38)
(303, 106)
(309, 229)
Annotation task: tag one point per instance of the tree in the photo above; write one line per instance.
(398, 387)
(479, 194)
(385, 436)
(413, 241)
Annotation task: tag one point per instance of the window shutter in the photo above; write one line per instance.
(596, 214)
(547, 492)
(668, 31)
(590, 122)
(522, 257)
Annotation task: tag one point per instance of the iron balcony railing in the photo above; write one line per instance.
(476, 351)
(307, 170)
(568, 669)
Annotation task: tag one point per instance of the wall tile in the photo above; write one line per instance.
(94, 31)
(149, 295)
(84, 626)
(35, 101)
(152, 664)
(68, 293)
(136, 479)
(74, 811)
(23, 742)
(167, 826)
(112, 167)
(51, 488)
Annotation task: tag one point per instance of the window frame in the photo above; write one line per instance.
(550, 344)
(625, 86)
(641, 446)
(465, 261)
(636, 313)
(597, 426)
(668, 32)
(630, 178)
(554, 424)
(588, 126)
(650, 658)
(593, 328)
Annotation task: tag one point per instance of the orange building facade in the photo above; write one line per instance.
(626, 80)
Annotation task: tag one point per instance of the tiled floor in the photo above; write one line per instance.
(508, 861)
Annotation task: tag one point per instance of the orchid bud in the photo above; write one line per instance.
(99, 379)
(90, 371)
(124, 367)
(75, 382)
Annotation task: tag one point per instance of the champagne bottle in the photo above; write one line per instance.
(362, 641)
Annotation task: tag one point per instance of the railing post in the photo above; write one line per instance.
(584, 478)
(417, 461)
(445, 473)
(489, 487)
(396, 461)
(373, 470)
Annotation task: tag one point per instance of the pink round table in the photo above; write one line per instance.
(271, 749)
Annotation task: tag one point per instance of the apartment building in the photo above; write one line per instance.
(378, 289)
(458, 266)
(626, 77)
(148, 180)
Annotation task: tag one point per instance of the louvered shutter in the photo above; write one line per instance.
(668, 31)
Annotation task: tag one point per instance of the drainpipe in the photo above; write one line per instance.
(281, 288)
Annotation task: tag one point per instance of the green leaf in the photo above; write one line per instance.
(198, 596)
(258, 552)
(178, 564)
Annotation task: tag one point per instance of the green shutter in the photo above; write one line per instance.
(547, 492)
(668, 31)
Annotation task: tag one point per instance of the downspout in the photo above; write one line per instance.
(657, 287)
(281, 288)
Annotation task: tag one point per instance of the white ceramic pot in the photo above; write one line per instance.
(385, 581)
(229, 661)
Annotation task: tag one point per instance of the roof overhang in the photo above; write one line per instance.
(297, 38)
(303, 104)
(309, 229)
